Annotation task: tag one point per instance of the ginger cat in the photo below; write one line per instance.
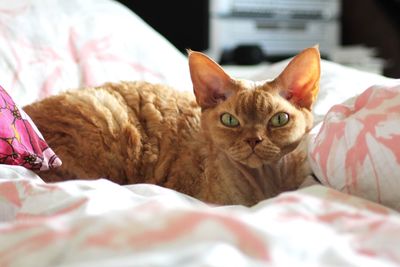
(236, 142)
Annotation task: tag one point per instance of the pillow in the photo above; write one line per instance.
(20, 141)
(357, 148)
(51, 45)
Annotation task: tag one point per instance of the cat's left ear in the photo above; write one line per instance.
(211, 84)
(299, 81)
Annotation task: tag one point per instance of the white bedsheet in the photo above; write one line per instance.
(52, 45)
(99, 223)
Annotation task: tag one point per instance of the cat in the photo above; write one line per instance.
(233, 142)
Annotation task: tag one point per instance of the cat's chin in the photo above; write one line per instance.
(253, 161)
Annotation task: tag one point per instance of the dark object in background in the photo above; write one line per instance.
(248, 55)
(374, 23)
(392, 8)
(243, 55)
(184, 23)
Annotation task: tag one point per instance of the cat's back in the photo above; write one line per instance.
(121, 131)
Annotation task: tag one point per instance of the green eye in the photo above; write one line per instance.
(228, 120)
(279, 119)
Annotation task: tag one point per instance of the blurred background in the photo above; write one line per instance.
(364, 34)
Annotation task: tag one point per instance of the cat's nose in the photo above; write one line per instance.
(254, 141)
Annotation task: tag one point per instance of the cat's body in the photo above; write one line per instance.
(221, 149)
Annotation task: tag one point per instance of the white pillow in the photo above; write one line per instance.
(357, 148)
(51, 45)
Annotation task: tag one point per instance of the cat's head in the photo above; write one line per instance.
(256, 123)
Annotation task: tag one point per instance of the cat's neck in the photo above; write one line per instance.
(263, 181)
(255, 184)
(266, 181)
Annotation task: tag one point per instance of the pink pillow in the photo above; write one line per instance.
(20, 141)
(357, 149)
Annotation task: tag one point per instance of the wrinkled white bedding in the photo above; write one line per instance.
(50, 45)
(47, 46)
(99, 223)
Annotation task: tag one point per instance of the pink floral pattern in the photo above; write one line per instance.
(20, 142)
(48, 48)
(357, 149)
(104, 224)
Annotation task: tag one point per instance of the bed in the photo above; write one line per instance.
(350, 219)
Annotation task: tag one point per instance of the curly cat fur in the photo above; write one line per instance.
(137, 132)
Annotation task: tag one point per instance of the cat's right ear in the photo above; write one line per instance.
(211, 84)
(299, 81)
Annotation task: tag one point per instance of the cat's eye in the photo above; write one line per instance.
(229, 120)
(279, 119)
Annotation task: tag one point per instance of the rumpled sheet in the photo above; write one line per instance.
(48, 46)
(99, 223)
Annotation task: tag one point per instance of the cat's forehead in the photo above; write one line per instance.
(256, 100)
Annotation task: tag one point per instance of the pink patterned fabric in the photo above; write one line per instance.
(52, 45)
(357, 149)
(99, 223)
(20, 141)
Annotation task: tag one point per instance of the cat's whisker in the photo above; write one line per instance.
(240, 152)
